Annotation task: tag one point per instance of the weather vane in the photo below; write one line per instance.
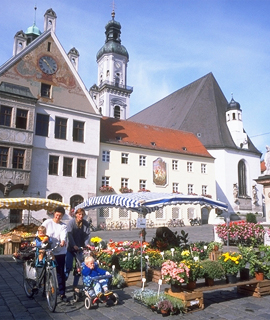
(113, 9)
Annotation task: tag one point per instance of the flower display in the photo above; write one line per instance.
(106, 189)
(125, 190)
(95, 241)
(175, 272)
(241, 232)
(195, 268)
(231, 262)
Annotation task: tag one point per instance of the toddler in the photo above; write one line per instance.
(42, 242)
(90, 270)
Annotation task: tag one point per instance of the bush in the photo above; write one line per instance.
(250, 217)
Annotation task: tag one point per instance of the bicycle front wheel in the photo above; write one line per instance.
(28, 284)
(51, 289)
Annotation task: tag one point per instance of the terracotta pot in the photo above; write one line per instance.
(209, 282)
(165, 313)
(191, 285)
(259, 276)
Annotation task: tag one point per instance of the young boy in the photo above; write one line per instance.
(90, 270)
(42, 242)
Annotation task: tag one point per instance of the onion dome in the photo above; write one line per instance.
(113, 41)
(233, 105)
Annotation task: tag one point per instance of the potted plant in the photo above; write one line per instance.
(106, 189)
(175, 273)
(212, 270)
(130, 262)
(259, 262)
(231, 263)
(248, 255)
(214, 246)
(195, 269)
(125, 190)
(165, 307)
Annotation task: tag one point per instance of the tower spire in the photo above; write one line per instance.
(113, 10)
(35, 15)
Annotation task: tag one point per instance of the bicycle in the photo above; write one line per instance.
(36, 277)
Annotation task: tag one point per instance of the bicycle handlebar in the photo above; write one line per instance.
(105, 276)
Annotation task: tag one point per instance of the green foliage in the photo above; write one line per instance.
(212, 269)
(118, 280)
(214, 246)
(250, 217)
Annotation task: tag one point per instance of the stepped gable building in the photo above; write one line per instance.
(49, 124)
(201, 108)
(137, 157)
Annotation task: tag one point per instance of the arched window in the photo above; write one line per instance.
(75, 200)
(117, 112)
(242, 179)
(55, 196)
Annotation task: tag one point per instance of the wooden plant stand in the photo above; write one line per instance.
(155, 275)
(132, 278)
(193, 300)
(258, 289)
(214, 255)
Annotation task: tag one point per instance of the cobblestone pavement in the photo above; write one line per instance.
(218, 304)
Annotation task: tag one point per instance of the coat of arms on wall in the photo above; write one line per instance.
(159, 172)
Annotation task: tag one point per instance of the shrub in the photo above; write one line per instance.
(250, 217)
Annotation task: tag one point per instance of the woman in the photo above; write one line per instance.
(57, 231)
(78, 231)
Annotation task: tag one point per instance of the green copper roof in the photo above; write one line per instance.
(112, 47)
(33, 30)
(10, 88)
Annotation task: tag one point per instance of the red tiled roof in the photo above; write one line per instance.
(139, 135)
(263, 166)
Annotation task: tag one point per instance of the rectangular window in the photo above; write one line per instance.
(124, 182)
(189, 166)
(175, 187)
(21, 119)
(160, 214)
(142, 184)
(204, 190)
(105, 182)
(67, 167)
(203, 168)
(104, 213)
(5, 116)
(175, 164)
(42, 125)
(78, 131)
(45, 90)
(18, 158)
(142, 161)
(53, 165)
(124, 158)
(60, 130)
(190, 188)
(123, 213)
(106, 156)
(4, 157)
(175, 213)
(81, 165)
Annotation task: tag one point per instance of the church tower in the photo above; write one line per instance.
(235, 124)
(111, 93)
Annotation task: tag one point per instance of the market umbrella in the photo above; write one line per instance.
(30, 204)
(146, 202)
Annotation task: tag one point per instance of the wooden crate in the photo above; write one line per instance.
(11, 247)
(258, 290)
(132, 278)
(155, 275)
(214, 255)
(193, 300)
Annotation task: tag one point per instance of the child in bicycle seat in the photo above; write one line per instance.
(42, 242)
(90, 270)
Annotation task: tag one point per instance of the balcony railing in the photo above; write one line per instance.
(115, 84)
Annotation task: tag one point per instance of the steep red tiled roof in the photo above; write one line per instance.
(139, 135)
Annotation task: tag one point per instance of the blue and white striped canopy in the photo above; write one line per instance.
(146, 202)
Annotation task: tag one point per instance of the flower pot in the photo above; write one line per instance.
(176, 287)
(244, 274)
(191, 285)
(259, 276)
(165, 313)
(209, 282)
(231, 278)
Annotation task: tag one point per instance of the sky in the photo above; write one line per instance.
(171, 43)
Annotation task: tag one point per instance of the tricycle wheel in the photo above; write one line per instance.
(76, 297)
(88, 303)
(115, 298)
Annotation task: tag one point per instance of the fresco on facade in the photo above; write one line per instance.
(159, 172)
